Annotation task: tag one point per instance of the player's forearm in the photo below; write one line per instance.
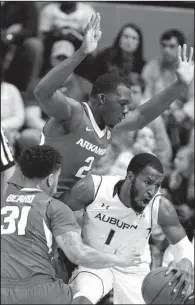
(55, 78)
(90, 258)
(157, 105)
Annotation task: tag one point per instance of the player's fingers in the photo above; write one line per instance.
(180, 282)
(179, 53)
(95, 20)
(96, 25)
(98, 35)
(171, 266)
(189, 296)
(90, 24)
(175, 278)
(191, 55)
(184, 52)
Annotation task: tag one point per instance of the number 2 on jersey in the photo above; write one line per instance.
(80, 173)
(12, 217)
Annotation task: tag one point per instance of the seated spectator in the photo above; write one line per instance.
(124, 56)
(19, 29)
(159, 72)
(178, 181)
(63, 20)
(12, 110)
(179, 125)
(144, 141)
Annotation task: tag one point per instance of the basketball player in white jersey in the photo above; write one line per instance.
(121, 213)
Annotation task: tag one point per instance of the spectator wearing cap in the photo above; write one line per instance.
(64, 20)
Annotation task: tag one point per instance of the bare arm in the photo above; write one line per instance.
(169, 222)
(51, 100)
(163, 144)
(80, 254)
(157, 105)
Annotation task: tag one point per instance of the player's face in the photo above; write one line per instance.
(116, 106)
(169, 49)
(144, 187)
(129, 40)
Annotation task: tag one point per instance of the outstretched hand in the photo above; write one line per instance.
(185, 69)
(92, 34)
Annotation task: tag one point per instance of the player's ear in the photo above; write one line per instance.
(50, 180)
(102, 98)
(130, 176)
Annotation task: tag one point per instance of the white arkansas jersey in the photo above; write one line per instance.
(109, 224)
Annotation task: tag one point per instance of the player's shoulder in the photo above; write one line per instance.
(56, 206)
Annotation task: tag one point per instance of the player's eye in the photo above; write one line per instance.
(147, 182)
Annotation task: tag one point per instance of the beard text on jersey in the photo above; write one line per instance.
(91, 147)
(114, 221)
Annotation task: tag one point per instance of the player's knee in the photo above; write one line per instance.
(89, 285)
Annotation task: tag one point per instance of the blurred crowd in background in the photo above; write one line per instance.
(35, 38)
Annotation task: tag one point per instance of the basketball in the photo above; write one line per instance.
(155, 288)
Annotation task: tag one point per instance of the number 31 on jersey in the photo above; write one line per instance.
(16, 219)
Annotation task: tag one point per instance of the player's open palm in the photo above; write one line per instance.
(92, 34)
(185, 69)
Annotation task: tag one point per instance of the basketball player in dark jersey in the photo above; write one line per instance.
(31, 220)
(81, 132)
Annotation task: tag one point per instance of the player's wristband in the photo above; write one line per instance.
(183, 249)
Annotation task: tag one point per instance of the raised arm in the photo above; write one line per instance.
(183, 250)
(68, 238)
(47, 92)
(157, 105)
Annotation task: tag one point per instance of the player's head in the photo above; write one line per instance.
(41, 165)
(112, 95)
(144, 177)
(169, 42)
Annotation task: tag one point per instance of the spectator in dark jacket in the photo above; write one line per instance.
(124, 56)
(19, 29)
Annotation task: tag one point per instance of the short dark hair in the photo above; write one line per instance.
(107, 83)
(140, 161)
(167, 35)
(39, 161)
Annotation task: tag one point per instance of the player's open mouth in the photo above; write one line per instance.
(145, 201)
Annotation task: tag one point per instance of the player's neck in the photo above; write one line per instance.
(95, 109)
(31, 184)
(122, 191)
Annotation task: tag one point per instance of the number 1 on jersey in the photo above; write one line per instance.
(110, 237)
